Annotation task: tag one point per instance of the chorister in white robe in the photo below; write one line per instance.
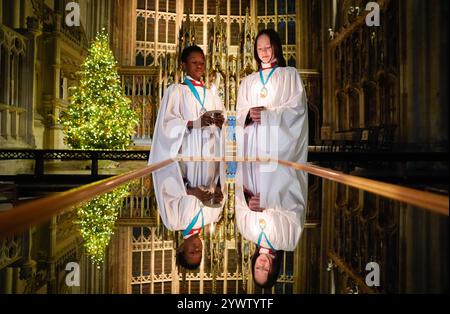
(283, 194)
(283, 132)
(172, 137)
(203, 174)
(176, 208)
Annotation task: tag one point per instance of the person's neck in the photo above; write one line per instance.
(191, 78)
(269, 65)
(269, 252)
(193, 235)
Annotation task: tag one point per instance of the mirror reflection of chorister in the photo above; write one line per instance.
(270, 212)
(188, 201)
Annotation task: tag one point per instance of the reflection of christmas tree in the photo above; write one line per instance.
(99, 115)
(96, 222)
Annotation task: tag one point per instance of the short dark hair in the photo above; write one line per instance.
(181, 261)
(188, 51)
(277, 47)
(276, 266)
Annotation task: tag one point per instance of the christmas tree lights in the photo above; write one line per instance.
(99, 115)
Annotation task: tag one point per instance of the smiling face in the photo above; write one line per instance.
(263, 267)
(193, 250)
(264, 49)
(195, 65)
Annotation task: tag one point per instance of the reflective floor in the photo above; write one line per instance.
(237, 228)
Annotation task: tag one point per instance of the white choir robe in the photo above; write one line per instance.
(204, 174)
(283, 132)
(172, 138)
(176, 208)
(283, 194)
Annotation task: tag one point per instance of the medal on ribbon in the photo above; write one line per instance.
(264, 92)
(196, 95)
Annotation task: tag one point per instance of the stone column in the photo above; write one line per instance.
(17, 284)
(7, 81)
(156, 33)
(327, 71)
(424, 121)
(1, 11)
(326, 236)
(16, 14)
(29, 80)
(423, 71)
(23, 17)
(7, 284)
(54, 136)
(118, 279)
(303, 31)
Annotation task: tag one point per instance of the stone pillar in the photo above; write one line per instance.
(303, 31)
(7, 284)
(326, 236)
(6, 118)
(54, 134)
(118, 272)
(424, 121)
(1, 11)
(156, 33)
(327, 71)
(97, 23)
(109, 16)
(7, 81)
(424, 72)
(17, 285)
(29, 80)
(16, 14)
(52, 278)
(23, 21)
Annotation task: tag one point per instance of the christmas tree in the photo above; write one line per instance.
(99, 115)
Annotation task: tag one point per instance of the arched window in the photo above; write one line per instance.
(140, 59)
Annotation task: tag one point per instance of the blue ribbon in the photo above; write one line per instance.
(268, 78)
(194, 221)
(267, 240)
(195, 92)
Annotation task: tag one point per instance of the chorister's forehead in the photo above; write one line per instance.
(196, 55)
(263, 40)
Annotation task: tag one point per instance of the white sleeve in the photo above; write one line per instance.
(285, 127)
(242, 104)
(283, 226)
(170, 127)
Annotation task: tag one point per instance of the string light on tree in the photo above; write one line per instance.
(99, 115)
(96, 220)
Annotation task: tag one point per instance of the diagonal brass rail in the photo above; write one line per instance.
(433, 202)
(425, 200)
(19, 218)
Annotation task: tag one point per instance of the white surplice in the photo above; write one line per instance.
(283, 195)
(172, 138)
(283, 132)
(176, 208)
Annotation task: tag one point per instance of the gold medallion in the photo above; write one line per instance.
(262, 223)
(264, 92)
